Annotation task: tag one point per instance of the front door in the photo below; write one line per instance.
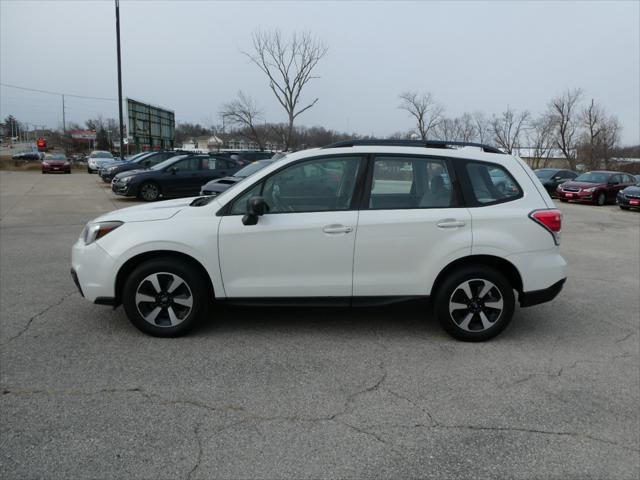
(303, 247)
(183, 177)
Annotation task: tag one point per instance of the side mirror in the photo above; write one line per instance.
(256, 207)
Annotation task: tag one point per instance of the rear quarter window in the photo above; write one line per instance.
(490, 184)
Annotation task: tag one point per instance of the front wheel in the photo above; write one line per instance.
(149, 192)
(474, 303)
(165, 297)
(601, 199)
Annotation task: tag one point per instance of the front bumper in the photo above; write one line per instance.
(624, 201)
(580, 196)
(92, 271)
(536, 297)
(124, 189)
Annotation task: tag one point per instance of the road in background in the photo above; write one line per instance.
(310, 393)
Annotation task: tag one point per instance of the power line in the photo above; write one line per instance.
(58, 93)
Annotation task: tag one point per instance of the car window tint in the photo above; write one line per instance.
(188, 164)
(213, 163)
(312, 186)
(491, 183)
(410, 182)
(239, 206)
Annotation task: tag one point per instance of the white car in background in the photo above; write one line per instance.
(98, 159)
(354, 223)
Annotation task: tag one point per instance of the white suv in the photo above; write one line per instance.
(354, 223)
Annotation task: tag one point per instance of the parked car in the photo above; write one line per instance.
(219, 185)
(140, 161)
(28, 156)
(502, 182)
(468, 245)
(97, 159)
(597, 187)
(179, 176)
(552, 177)
(249, 156)
(56, 162)
(637, 177)
(629, 197)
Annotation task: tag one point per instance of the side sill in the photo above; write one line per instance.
(321, 301)
(106, 301)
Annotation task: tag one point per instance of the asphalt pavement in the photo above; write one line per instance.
(315, 392)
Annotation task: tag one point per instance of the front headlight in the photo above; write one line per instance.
(125, 179)
(94, 231)
(590, 190)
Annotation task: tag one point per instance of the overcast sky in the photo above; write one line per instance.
(187, 56)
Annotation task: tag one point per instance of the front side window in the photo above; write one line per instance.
(313, 186)
(410, 182)
(491, 183)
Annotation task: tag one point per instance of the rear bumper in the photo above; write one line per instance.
(536, 297)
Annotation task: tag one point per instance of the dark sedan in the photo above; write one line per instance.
(551, 178)
(216, 187)
(629, 197)
(137, 162)
(56, 162)
(179, 176)
(598, 187)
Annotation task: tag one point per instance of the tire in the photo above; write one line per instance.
(167, 313)
(43, 172)
(89, 171)
(473, 319)
(563, 200)
(149, 191)
(601, 199)
(624, 208)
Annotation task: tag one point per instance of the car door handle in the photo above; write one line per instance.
(450, 223)
(334, 229)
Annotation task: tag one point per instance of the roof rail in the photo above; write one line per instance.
(413, 143)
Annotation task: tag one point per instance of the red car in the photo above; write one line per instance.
(598, 187)
(56, 163)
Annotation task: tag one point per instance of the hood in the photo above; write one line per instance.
(147, 212)
(573, 183)
(131, 173)
(56, 162)
(632, 190)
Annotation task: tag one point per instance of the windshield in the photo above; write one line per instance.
(592, 177)
(544, 173)
(135, 157)
(101, 155)
(58, 156)
(252, 168)
(168, 162)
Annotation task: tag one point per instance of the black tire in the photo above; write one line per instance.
(601, 199)
(43, 172)
(622, 207)
(449, 295)
(167, 270)
(563, 200)
(149, 191)
(89, 171)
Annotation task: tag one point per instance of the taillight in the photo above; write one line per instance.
(551, 220)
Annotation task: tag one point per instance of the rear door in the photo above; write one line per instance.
(410, 226)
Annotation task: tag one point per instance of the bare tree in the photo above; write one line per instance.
(564, 111)
(593, 119)
(467, 129)
(540, 136)
(508, 128)
(610, 136)
(288, 64)
(483, 127)
(423, 107)
(448, 130)
(244, 113)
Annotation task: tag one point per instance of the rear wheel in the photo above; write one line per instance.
(622, 207)
(165, 297)
(474, 303)
(149, 191)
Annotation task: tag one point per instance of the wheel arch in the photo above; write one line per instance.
(130, 265)
(505, 267)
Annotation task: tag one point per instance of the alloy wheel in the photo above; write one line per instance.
(476, 305)
(601, 199)
(164, 299)
(149, 192)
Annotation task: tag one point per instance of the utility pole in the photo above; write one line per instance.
(119, 79)
(64, 123)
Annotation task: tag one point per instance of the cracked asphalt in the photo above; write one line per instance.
(311, 393)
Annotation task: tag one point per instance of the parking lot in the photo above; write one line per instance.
(311, 393)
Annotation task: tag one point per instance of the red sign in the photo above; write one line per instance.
(42, 144)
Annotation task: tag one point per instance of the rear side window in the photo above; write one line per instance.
(491, 183)
(410, 182)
